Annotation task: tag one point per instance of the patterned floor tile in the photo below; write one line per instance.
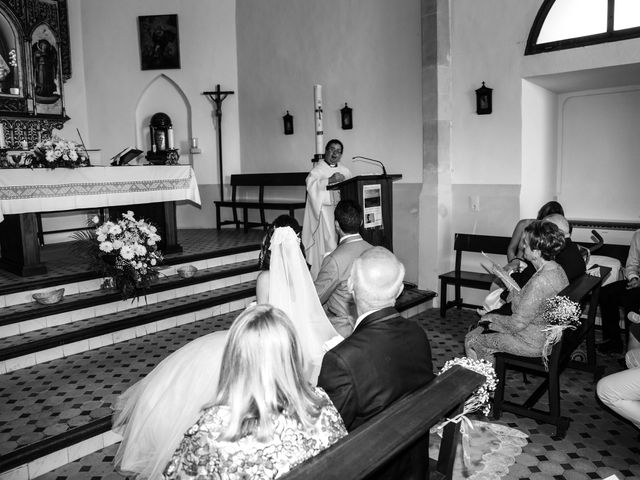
(580, 455)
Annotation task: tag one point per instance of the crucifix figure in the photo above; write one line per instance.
(217, 96)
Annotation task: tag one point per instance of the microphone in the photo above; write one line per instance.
(384, 170)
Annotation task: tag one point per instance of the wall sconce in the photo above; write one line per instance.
(287, 120)
(483, 100)
(346, 117)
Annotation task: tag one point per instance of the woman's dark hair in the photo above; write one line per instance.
(265, 253)
(546, 237)
(334, 140)
(550, 208)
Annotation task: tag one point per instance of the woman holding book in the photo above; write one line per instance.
(521, 333)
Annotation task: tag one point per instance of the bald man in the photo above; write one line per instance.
(385, 358)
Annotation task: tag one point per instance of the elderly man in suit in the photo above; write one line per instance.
(331, 283)
(385, 358)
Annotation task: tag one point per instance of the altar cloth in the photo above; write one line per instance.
(42, 190)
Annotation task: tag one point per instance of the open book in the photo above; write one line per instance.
(125, 156)
(501, 273)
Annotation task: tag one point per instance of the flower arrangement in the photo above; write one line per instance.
(13, 58)
(479, 400)
(125, 251)
(559, 313)
(56, 152)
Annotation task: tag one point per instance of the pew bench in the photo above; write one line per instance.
(249, 181)
(373, 444)
(459, 278)
(585, 289)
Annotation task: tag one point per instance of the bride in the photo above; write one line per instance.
(153, 414)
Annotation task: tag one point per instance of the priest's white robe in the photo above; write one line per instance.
(318, 231)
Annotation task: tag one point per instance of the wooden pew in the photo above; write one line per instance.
(260, 180)
(465, 242)
(378, 441)
(585, 288)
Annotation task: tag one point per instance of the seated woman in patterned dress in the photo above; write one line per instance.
(521, 333)
(266, 417)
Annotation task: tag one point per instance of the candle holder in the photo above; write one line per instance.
(163, 151)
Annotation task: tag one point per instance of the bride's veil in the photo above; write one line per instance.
(291, 289)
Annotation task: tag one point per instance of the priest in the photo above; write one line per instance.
(318, 229)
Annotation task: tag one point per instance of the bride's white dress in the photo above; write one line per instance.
(153, 414)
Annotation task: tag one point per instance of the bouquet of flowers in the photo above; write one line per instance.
(559, 313)
(56, 152)
(125, 251)
(479, 400)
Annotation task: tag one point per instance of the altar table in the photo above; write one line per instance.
(23, 192)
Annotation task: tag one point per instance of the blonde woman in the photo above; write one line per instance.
(266, 417)
(153, 414)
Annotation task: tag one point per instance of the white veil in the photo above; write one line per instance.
(292, 290)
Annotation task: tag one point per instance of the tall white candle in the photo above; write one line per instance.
(2, 141)
(317, 95)
(170, 138)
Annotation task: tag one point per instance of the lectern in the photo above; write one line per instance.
(374, 193)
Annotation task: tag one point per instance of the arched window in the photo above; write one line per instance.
(564, 24)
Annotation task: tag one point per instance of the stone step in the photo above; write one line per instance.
(21, 293)
(39, 346)
(26, 317)
(58, 411)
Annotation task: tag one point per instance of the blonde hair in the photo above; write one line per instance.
(262, 375)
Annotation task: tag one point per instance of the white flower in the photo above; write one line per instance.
(115, 230)
(126, 252)
(95, 219)
(101, 237)
(139, 250)
(106, 247)
(73, 155)
(49, 156)
(117, 244)
(153, 261)
(151, 242)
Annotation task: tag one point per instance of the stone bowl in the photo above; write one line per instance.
(187, 271)
(50, 297)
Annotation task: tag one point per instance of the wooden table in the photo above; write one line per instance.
(150, 191)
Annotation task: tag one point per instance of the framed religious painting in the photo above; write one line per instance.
(159, 42)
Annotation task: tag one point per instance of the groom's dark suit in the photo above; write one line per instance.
(385, 358)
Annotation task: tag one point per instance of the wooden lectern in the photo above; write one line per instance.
(374, 193)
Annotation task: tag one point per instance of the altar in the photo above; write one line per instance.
(150, 191)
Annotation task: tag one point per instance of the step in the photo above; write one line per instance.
(74, 417)
(27, 317)
(21, 293)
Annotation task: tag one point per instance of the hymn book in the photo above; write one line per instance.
(501, 273)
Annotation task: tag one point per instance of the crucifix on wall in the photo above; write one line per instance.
(217, 96)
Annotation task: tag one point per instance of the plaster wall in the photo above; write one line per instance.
(511, 154)
(116, 86)
(363, 52)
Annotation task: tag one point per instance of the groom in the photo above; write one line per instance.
(384, 359)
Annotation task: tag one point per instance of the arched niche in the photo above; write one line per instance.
(163, 94)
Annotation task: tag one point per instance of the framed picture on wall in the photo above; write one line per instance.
(159, 43)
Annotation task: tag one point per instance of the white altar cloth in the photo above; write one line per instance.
(24, 190)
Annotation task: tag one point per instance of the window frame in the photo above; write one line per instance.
(610, 35)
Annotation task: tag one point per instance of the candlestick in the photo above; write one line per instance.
(317, 94)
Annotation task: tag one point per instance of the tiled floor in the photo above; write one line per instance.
(597, 444)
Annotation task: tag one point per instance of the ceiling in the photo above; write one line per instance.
(596, 78)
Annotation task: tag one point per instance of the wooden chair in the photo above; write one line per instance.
(582, 290)
(465, 242)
